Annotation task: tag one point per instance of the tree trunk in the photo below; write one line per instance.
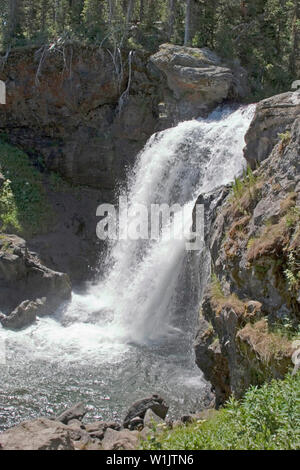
(43, 15)
(171, 18)
(142, 10)
(188, 16)
(12, 20)
(112, 11)
(295, 56)
(130, 9)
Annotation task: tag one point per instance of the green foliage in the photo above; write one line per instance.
(286, 328)
(292, 216)
(216, 288)
(57, 183)
(244, 184)
(267, 418)
(285, 136)
(8, 208)
(23, 205)
(263, 35)
(292, 271)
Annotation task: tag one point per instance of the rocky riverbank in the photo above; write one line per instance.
(71, 430)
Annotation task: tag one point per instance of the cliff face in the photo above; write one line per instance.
(64, 109)
(63, 103)
(251, 310)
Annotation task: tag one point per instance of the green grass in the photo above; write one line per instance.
(24, 209)
(267, 418)
(246, 183)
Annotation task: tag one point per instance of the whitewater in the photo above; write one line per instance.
(131, 332)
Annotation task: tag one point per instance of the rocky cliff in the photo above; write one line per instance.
(84, 113)
(251, 310)
(63, 103)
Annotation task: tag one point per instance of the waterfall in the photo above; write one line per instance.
(131, 332)
(175, 166)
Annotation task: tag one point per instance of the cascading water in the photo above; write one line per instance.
(131, 333)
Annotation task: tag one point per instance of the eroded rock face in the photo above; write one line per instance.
(22, 276)
(198, 79)
(273, 116)
(253, 241)
(68, 111)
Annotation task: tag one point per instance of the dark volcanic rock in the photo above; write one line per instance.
(139, 408)
(70, 115)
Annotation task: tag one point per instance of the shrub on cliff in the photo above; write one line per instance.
(267, 418)
(23, 205)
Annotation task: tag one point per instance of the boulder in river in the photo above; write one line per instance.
(155, 402)
(77, 412)
(24, 315)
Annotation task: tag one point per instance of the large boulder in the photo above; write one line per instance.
(24, 315)
(151, 420)
(198, 79)
(155, 402)
(120, 440)
(24, 277)
(40, 434)
(273, 116)
(76, 412)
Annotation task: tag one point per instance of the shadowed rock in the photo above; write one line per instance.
(76, 412)
(24, 315)
(139, 408)
(24, 278)
(273, 115)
